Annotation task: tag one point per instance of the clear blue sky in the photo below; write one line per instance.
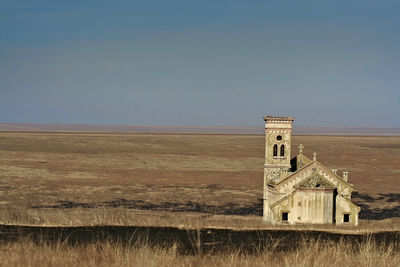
(328, 63)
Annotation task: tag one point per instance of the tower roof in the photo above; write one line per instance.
(276, 118)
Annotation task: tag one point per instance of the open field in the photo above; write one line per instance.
(200, 192)
(86, 178)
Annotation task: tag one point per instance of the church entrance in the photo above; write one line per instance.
(335, 193)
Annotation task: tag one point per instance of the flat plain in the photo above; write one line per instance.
(81, 178)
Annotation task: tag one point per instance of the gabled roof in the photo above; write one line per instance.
(293, 175)
(315, 181)
(301, 161)
(335, 175)
(311, 164)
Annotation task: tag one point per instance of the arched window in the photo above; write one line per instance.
(282, 150)
(275, 150)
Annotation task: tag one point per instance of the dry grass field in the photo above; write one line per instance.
(182, 180)
(26, 253)
(72, 178)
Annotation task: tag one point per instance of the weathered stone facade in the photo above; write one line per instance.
(301, 190)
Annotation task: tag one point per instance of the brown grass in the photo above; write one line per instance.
(89, 178)
(26, 253)
(145, 179)
(189, 220)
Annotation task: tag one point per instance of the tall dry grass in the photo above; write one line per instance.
(319, 253)
(132, 217)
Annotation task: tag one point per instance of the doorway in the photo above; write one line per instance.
(335, 193)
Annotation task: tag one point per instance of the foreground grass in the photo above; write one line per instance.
(26, 253)
(130, 217)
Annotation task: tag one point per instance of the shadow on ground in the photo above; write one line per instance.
(189, 206)
(389, 206)
(379, 207)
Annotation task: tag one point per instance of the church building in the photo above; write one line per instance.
(301, 190)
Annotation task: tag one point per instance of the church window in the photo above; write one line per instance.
(285, 216)
(282, 150)
(275, 150)
(346, 218)
(279, 137)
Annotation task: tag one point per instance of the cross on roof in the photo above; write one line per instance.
(300, 149)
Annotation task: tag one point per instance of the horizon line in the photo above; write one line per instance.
(193, 129)
(190, 125)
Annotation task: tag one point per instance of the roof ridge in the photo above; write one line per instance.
(337, 176)
(298, 185)
(296, 172)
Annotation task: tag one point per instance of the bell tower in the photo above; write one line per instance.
(278, 141)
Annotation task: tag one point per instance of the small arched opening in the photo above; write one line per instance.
(275, 150)
(282, 150)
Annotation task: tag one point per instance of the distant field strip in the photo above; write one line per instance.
(363, 131)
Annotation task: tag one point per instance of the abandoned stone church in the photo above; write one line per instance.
(301, 190)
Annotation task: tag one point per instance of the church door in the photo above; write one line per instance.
(335, 193)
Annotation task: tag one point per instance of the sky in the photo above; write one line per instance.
(205, 63)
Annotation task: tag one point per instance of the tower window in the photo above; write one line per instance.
(279, 137)
(275, 150)
(282, 150)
